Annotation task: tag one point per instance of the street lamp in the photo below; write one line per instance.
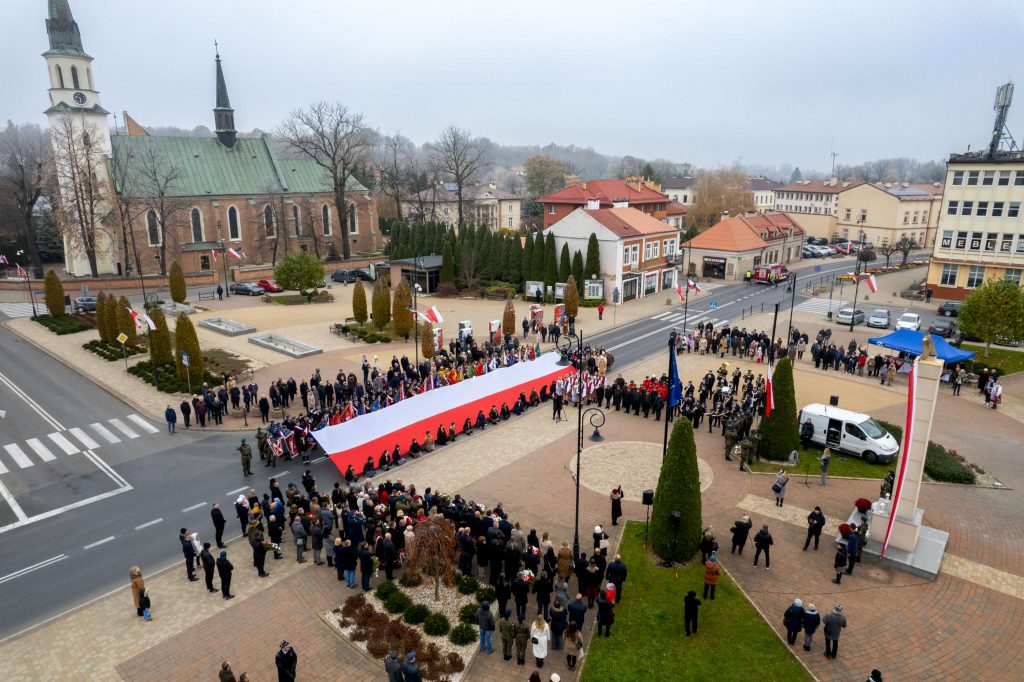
(567, 344)
(856, 268)
(28, 284)
(415, 306)
(223, 260)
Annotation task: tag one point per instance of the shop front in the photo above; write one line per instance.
(714, 267)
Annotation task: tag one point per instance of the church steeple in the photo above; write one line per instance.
(223, 114)
(62, 29)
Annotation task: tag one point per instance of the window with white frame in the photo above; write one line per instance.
(975, 276)
(968, 208)
(949, 275)
(510, 208)
(1014, 210)
(846, 214)
(991, 239)
(631, 254)
(1006, 243)
(982, 209)
(647, 251)
(958, 178)
(551, 209)
(1012, 275)
(976, 239)
(234, 227)
(952, 208)
(670, 247)
(153, 228)
(1003, 178)
(997, 209)
(1020, 243)
(510, 221)
(906, 217)
(655, 249)
(972, 177)
(1018, 178)
(988, 178)
(916, 216)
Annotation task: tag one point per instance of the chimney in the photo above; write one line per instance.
(593, 204)
(583, 185)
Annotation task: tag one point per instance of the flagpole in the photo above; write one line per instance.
(856, 279)
(792, 302)
(775, 321)
(668, 403)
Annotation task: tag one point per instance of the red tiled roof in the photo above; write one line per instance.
(744, 232)
(629, 222)
(819, 186)
(606, 191)
(675, 208)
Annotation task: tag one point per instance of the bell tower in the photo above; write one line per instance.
(223, 114)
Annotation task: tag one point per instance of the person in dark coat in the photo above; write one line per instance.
(840, 562)
(740, 530)
(287, 662)
(365, 565)
(485, 620)
(811, 621)
(852, 549)
(224, 569)
(762, 543)
(190, 554)
(577, 611)
(503, 592)
(410, 671)
(186, 413)
(208, 565)
(690, 605)
(815, 522)
(616, 497)
(393, 668)
(218, 524)
(793, 619)
(521, 594)
(605, 615)
(616, 574)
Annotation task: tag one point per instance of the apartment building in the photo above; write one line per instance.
(814, 202)
(885, 213)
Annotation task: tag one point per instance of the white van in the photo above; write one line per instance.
(850, 432)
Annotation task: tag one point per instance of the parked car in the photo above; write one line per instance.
(270, 286)
(845, 248)
(247, 288)
(85, 304)
(909, 321)
(819, 241)
(364, 274)
(344, 276)
(879, 318)
(810, 252)
(947, 330)
(846, 314)
(950, 308)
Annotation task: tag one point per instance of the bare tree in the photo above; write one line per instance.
(725, 190)
(79, 169)
(886, 251)
(127, 204)
(461, 158)
(395, 162)
(905, 245)
(433, 551)
(24, 170)
(339, 141)
(270, 224)
(158, 186)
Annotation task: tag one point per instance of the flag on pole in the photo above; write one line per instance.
(872, 284)
(213, 252)
(693, 285)
(3, 260)
(433, 315)
(675, 386)
(769, 392)
(237, 254)
(20, 271)
(679, 290)
(908, 436)
(145, 319)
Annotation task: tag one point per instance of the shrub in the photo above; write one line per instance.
(462, 634)
(436, 624)
(352, 605)
(416, 614)
(383, 338)
(54, 294)
(378, 647)
(485, 593)
(779, 432)
(427, 339)
(385, 590)
(571, 297)
(62, 325)
(110, 352)
(381, 306)
(453, 663)
(678, 490)
(468, 584)
(467, 614)
(185, 340)
(940, 464)
(168, 377)
(397, 603)
(502, 289)
(177, 282)
(160, 339)
(447, 290)
(401, 315)
(410, 578)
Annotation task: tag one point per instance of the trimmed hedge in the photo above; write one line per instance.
(61, 325)
(462, 634)
(416, 614)
(111, 352)
(436, 624)
(940, 464)
(467, 614)
(397, 603)
(486, 593)
(468, 584)
(385, 590)
(299, 299)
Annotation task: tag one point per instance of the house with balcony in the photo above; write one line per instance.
(884, 213)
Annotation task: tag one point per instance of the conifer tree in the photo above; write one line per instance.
(592, 267)
(159, 339)
(577, 271)
(401, 315)
(185, 340)
(550, 262)
(514, 261)
(381, 306)
(508, 318)
(426, 339)
(447, 264)
(539, 258)
(571, 297)
(177, 282)
(678, 490)
(526, 263)
(125, 323)
(101, 317)
(779, 430)
(564, 264)
(54, 294)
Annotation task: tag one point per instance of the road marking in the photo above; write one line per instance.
(41, 450)
(81, 435)
(235, 492)
(99, 542)
(145, 425)
(150, 523)
(63, 443)
(695, 318)
(24, 520)
(123, 428)
(194, 506)
(663, 315)
(282, 475)
(319, 459)
(3, 469)
(18, 455)
(33, 567)
(104, 433)
(15, 507)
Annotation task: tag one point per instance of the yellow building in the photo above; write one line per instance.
(981, 228)
(815, 203)
(883, 214)
(481, 205)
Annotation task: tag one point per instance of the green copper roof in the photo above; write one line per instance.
(208, 168)
(63, 30)
(65, 108)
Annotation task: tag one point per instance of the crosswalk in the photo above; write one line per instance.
(693, 317)
(72, 441)
(820, 305)
(13, 310)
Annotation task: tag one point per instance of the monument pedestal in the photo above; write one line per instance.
(913, 546)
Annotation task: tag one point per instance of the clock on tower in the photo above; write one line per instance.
(80, 98)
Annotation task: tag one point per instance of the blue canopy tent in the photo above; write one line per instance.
(908, 341)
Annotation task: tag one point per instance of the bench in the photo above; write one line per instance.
(336, 329)
(207, 295)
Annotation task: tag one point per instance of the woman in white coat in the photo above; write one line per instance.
(540, 634)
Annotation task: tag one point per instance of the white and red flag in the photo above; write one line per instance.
(237, 254)
(867, 279)
(679, 290)
(146, 321)
(691, 284)
(432, 315)
(213, 252)
(908, 437)
(769, 393)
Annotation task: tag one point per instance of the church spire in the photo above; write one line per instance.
(223, 114)
(62, 29)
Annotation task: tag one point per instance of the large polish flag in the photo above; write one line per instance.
(352, 441)
(908, 436)
(769, 393)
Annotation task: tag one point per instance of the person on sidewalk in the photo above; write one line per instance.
(139, 592)
(616, 574)
(852, 549)
(762, 543)
(522, 637)
(690, 606)
(577, 611)
(186, 413)
(485, 620)
(573, 646)
(172, 418)
(826, 457)
(217, 516)
(365, 565)
(815, 522)
(740, 530)
(616, 497)
(605, 615)
(793, 619)
(840, 562)
(540, 633)
(300, 535)
(711, 572)
(834, 624)
(190, 554)
(600, 311)
(779, 487)
(287, 663)
(507, 630)
(811, 621)
(393, 668)
(224, 569)
(208, 565)
(246, 453)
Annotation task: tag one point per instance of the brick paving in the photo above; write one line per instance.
(956, 627)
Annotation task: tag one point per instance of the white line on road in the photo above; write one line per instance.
(104, 433)
(18, 455)
(281, 475)
(320, 459)
(15, 507)
(40, 449)
(695, 318)
(23, 520)
(194, 506)
(63, 443)
(146, 426)
(3, 469)
(235, 492)
(99, 542)
(82, 436)
(33, 567)
(123, 428)
(148, 524)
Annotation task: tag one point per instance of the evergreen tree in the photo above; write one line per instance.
(577, 271)
(426, 339)
(54, 294)
(508, 318)
(125, 323)
(503, 261)
(110, 319)
(484, 258)
(779, 430)
(381, 306)
(678, 490)
(571, 297)
(185, 340)
(514, 261)
(359, 302)
(101, 317)
(539, 258)
(394, 239)
(402, 318)
(439, 237)
(564, 264)
(447, 264)
(526, 264)
(419, 239)
(550, 262)
(160, 339)
(592, 267)
(456, 242)
(177, 282)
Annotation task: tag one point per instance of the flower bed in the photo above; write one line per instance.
(169, 381)
(65, 324)
(110, 353)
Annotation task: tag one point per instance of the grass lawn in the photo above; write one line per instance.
(1009, 361)
(841, 465)
(648, 640)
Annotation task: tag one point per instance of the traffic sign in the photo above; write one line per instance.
(122, 338)
(817, 268)
(712, 305)
(184, 358)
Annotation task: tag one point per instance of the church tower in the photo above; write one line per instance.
(73, 95)
(223, 114)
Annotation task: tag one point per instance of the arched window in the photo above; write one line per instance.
(152, 228)
(353, 227)
(298, 223)
(88, 77)
(326, 213)
(60, 76)
(268, 221)
(196, 218)
(74, 77)
(234, 233)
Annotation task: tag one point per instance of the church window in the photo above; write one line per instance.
(74, 78)
(60, 76)
(298, 223)
(353, 226)
(234, 233)
(268, 221)
(88, 77)
(197, 225)
(153, 228)
(326, 213)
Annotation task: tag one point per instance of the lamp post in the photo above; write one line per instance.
(223, 260)
(567, 344)
(856, 270)
(28, 284)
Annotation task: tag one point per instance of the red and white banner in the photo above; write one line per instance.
(690, 284)
(237, 254)
(352, 441)
(433, 315)
(867, 279)
(679, 290)
(769, 393)
(146, 321)
(213, 252)
(908, 437)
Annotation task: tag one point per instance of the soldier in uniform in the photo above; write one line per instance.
(522, 636)
(507, 629)
(730, 436)
(246, 452)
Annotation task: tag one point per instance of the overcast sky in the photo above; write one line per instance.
(708, 82)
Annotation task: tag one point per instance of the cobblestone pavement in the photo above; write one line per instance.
(964, 625)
